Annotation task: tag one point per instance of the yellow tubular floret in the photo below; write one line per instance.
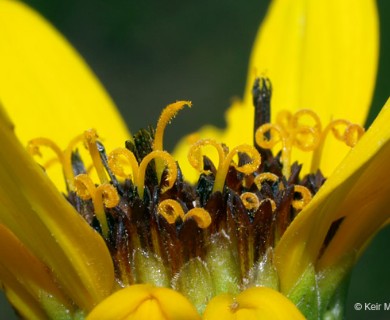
(195, 157)
(250, 201)
(254, 303)
(170, 165)
(361, 173)
(342, 130)
(200, 215)
(103, 195)
(171, 210)
(265, 176)
(116, 167)
(224, 160)
(246, 168)
(305, 197)
(90, 140)
(46, 86)
(67, 159)
(30, 204)
(276, 134)
(166, 116)
(140, 170)
(33, 148)
(144, 302)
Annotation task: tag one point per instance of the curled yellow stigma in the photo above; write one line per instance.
(342, 130)
(195, 153)
(303, 130)
(265, 176)
(90, 141)
(33, 148)
(103, 195)
(169, 163)
(114, 162)
(225, 160)
(304, 199)
(171, 210)
(200, 215)
(166, 116)
(250, 201)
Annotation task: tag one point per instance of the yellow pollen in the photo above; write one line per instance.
(305, 197)
(171, 210)
(103, 195)
(265, 176)
(225, 160)
(90, 140)
(250, 201)
(33, 148)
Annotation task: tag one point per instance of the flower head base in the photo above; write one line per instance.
(214, 237)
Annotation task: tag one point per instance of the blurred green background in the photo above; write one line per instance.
(150, 53)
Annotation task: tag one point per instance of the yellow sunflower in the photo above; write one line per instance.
(263, 220)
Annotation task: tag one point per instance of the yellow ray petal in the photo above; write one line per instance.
(366, 209)
(45, 85)
(21, 299)
(26, 268)
(318, 54)
(357, 189)
(143, 302)
(254, 303)
(33, 209)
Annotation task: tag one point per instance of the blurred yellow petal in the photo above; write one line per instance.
(22, 301)
(144, 302)
(33, 209)
(357, 190)
(254, 303)
(19, 297)
(26, 268)
(45, 85)
(318, 54)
